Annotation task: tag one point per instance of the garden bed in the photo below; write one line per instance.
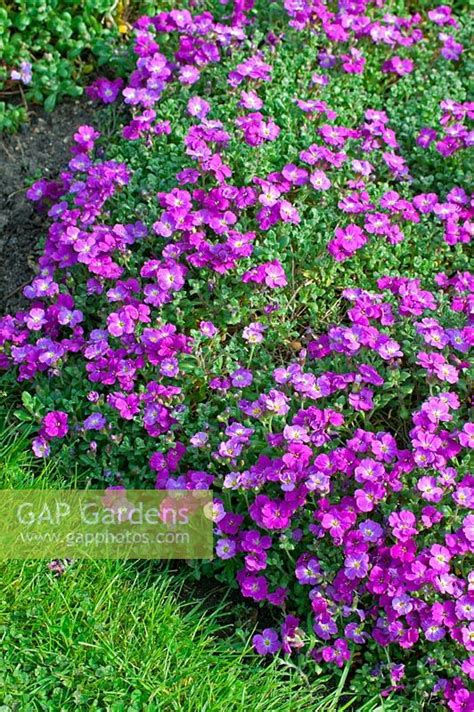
(41, 148)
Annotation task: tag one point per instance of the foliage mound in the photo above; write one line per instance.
(48, 47)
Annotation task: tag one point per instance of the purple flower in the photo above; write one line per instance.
(254, 332)
(95, 421)
(226, 548)
(169, 367)
(325, 627)
(354, 632)
(433, 631)
(425, 138)
(356, 566)
(402, 604)
(266, 643)
(308, 571)
(208, 329)
(442, 15)
(199, 439)
(362, 400)
(451, 49)
(241, 378)
(24, 74)
(40, 447)
(371, 531)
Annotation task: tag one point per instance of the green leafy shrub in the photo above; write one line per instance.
(61, 41)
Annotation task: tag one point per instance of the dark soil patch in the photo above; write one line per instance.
(40, 149)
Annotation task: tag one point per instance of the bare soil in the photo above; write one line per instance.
(40, 149)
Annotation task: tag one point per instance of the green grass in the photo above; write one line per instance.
(104, 636)
(110, 635)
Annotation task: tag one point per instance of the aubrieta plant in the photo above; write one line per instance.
(256, 286)
(47, 47)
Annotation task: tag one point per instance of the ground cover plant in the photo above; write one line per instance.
(259, 283)
(47, 49)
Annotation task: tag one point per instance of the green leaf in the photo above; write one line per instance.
(50, 102)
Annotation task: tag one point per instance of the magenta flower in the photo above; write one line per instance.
(288, 212)
(338, 654)
(189, 74)
(440, 558)
(468, 637)
(198, 107)
(275, 515)
(335, 523)
(36, 319)
(468, 527)
(390, 349)
(399, 66)
(345, 469)
(208, 329)
(55, 424)
(403, 524)
(354, 62)
(347, 241)
(319, 180)
(105, 90)
(255, 587)
(275, 275)
(86, 137)
(250, 100)
(466, 436)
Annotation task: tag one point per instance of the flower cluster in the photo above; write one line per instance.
(453, 134)
(352, 27)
